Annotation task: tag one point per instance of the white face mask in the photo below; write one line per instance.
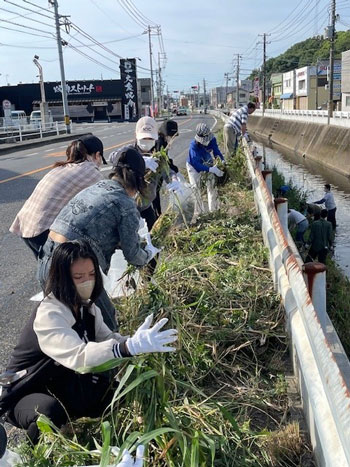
(85, 289)
(146, 144)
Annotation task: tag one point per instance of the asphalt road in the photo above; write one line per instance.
(19, 174)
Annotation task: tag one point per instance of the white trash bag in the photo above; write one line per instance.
(114, 283)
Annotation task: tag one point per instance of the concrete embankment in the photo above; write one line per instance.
(327, 145)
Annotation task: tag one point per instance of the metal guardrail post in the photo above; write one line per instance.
(20, 133)
(267, 174)
(57, 130)
(40, 131)
(315, 277)
(281, 206)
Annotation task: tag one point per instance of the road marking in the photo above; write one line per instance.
(48, 150)
(32, 154)
(50, 166)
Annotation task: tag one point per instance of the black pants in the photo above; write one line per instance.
(35, 243)
(156, 205)
(150, 217)
(319, 255)
(331, 217)
(67, 394)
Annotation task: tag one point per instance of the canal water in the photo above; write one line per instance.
(311, 177)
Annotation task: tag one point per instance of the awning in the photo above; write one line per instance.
(288, 95)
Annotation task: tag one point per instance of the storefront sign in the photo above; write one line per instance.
(129, 83)
(78, 88)
(100, 104)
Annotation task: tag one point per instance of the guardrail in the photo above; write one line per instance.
(11, 134)
(339, 118)
(319, 361)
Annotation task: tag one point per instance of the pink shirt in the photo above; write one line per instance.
(51, 194)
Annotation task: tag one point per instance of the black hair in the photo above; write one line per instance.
(327, 185)
(251, 105)
(127, 177)
(324, 213)
(317, 216)
(60, 282)
(76, 153)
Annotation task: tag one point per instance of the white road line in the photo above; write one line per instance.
(32, 154)
(48, 150)
(60, 147)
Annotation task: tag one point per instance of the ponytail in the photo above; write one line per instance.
(76, 153)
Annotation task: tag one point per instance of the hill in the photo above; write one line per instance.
(305, 53)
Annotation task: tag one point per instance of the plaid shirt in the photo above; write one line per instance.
(51, 194)
(239, 117)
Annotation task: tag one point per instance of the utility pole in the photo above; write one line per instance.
(237, 81)
(331, 63)
(316, 87)
(151, 67)
(43, 104)
(205, 97)
(226, 76)
(264, 71)
(60, 57)
(198, 100)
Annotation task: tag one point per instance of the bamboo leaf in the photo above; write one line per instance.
(109, 365)
(106, 436)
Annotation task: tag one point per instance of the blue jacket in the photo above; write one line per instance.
(105, 216)
(199, 156)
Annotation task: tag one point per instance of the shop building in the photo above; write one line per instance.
(276, 90)
(127, 98)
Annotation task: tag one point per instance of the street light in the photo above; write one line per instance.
(43, 104)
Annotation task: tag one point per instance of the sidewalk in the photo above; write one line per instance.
(13, 147)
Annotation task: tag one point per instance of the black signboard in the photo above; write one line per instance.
(129, 84)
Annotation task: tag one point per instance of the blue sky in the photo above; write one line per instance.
(201, 38)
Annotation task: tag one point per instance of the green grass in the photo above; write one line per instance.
(221, 399)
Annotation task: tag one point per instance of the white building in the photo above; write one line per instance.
(287, 98)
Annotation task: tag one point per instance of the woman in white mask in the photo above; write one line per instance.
(65, 333)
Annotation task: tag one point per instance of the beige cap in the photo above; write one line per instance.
(146, 127)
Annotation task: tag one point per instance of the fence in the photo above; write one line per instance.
(319, 361)
(315, 116)
(12, 134)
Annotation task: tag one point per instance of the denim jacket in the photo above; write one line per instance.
(105, 216)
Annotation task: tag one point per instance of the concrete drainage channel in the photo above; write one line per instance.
(319, 361)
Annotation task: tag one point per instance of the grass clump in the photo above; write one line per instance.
(221, 399)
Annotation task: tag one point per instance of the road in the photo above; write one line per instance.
(19, 174)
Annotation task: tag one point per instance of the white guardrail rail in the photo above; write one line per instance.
(12, 134)
(339, 118)
(319, 360)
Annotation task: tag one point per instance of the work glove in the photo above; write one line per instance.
(148, 340)
(214, 170)
(246, 136)
(151, 163)
(128, 461)
(151, 250)
(174, 186)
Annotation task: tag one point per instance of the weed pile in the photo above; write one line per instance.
(221, 399)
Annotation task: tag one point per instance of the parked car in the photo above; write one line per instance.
(18, 118)
(35, 118)
(182, 111)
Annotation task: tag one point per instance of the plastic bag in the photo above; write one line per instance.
(117, 283)
(183, 200)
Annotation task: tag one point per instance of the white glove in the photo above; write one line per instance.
(214, 170)
(174, 186)
(152, 250)
(128, 461)
(114, 157)
(148, 340)
(151, 163)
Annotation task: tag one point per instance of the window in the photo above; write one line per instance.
(242, 95)
(287, 83)
(302, 85)
(347, 101)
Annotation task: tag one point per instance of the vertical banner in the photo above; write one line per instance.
(129, 86)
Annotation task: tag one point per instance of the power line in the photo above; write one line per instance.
(132, 16)
(140, 14)
(90, 58)
(29, 19)
(37, 6)
(23, 26)
(28, 9)
(28, 33)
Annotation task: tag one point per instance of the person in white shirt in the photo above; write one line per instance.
(328, 200)
(236, 126)
(65, 334)
(296, 218)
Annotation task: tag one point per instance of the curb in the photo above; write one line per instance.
(42, 142)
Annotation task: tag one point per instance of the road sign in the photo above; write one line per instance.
(6, 104)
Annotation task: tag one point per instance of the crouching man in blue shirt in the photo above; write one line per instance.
(199, 161)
